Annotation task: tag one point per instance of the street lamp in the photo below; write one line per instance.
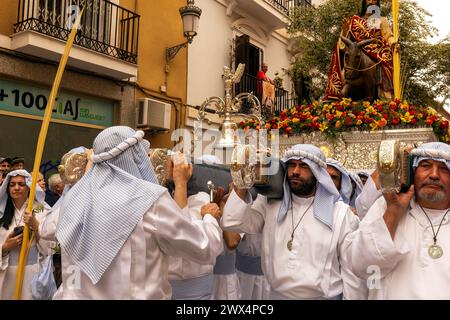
(229, 107)
(191, 16)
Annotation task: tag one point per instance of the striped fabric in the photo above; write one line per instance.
(100, 212)
(346, 184)
(39, 195)
(438, 151)
(326, 193)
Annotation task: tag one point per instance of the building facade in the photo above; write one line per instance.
(118, 60)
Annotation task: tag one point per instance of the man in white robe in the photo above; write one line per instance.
(402, 246)
(117, 226)
(253, 282)
(189, 279)
(303, 252)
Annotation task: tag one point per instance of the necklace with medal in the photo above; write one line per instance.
(289, 243)
(435, 251)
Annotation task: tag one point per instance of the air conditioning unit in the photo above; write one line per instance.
(154, 114)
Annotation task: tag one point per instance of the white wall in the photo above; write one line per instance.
(208, 53)
(277, 57)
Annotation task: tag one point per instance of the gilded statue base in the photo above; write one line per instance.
(357, 150)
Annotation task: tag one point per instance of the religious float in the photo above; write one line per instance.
(363, 102)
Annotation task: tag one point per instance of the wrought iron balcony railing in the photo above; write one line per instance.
(250, 83)
(285, 5)
(105, 27)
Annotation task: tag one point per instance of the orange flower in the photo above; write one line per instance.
(295, 120)
(382, 123)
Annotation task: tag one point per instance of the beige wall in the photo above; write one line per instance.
(8, 16)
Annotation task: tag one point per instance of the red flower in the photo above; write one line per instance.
(413, 121)
(340, 108)
(385, 116)
(315, 125)
(444, 124)
(348, 122)
(395, 121)
(393, 106)
(368, 120)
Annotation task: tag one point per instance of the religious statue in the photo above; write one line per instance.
(361, 65)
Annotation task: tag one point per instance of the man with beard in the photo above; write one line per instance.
(403, 244)
(303, 256)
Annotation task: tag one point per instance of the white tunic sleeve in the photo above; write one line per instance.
(367, 198)
(354, 288)
(177, 235)
(47, 229)
(372, 247)
(244, 216)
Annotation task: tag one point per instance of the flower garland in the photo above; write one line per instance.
(333, 117)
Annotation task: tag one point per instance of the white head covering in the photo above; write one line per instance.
(39, 195)
(326, 193)
(359, 186)
(99, 213)
(438, 151)
(346, 185)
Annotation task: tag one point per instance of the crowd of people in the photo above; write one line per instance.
(120, 233)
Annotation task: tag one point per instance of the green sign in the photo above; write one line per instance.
(21, 98)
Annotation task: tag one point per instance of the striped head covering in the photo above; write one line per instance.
(101, 211)
(346, 184)
(326, 193)
(438, 151)
(39, 195)
(358, 188)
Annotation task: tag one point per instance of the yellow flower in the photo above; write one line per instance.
(370, 109)
(323, 126)
(295, 120)
(358, 123)
(346, 101)
(338, 114)
(419, 115)
(407, 118)
(431, 111)
(326, 107)
(374, 125)
(366, 104)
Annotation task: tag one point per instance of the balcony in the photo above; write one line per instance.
(106, 43)
(250, 83)
(274, 13)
